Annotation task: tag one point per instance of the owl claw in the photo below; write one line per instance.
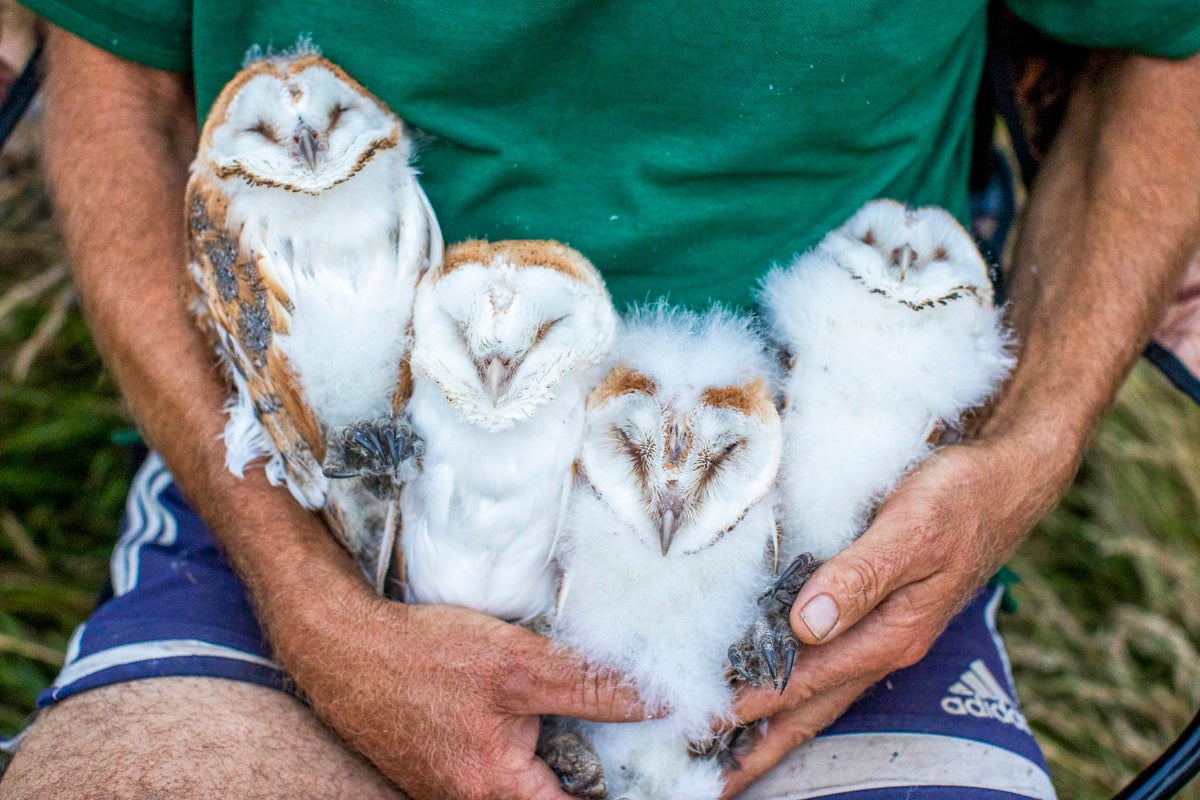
(575, 762)
(767, 650)
(790, 650)
(385, 450)
(785, 590)
(756, 658)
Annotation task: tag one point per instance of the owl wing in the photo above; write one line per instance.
(434, 246)
(239, 302)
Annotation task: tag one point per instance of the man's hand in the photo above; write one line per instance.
(878, 606)
(1108, 232)
(446, 701)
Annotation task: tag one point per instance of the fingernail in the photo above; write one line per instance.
(820, 615)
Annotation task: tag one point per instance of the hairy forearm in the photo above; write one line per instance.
(118, 141)
(1108, 230)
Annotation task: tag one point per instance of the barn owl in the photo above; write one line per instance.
(308, 233)
(668, 541)
(892, 336)
(507, 341)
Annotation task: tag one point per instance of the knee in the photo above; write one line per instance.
(185, 738)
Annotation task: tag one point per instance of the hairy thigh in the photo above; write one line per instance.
(183, 738)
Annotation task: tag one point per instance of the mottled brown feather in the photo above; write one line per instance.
(677, 443)
(236, 297)
(403, 391)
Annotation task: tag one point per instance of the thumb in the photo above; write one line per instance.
(850, 584)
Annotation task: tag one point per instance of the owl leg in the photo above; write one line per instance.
(574, 761)
(767, 652)
(387, 450)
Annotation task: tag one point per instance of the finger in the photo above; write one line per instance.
(750, 705)
(561, 683)
(852, 583)
(785, 732)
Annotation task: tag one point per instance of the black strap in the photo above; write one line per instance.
(21, 94)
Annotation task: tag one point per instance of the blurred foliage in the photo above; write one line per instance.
(1105, 645)
(62, 482)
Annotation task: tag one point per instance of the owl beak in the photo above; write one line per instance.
(306, 140)
(670, 510)
(496, 372)
(902, 259)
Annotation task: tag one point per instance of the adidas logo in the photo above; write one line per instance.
(977, 693)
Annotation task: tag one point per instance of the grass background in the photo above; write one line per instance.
(1105, 644)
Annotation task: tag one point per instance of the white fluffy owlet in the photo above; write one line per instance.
(892, 335)
(308, 235)
(669, 538)
(507, 339)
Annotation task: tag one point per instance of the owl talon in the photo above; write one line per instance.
(573, 759)
(767, 649)
(790, 650)
(792, 580)
(385, 449)
(766, 653)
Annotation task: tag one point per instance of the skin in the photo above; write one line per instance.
(1110, 226)
(445, 702)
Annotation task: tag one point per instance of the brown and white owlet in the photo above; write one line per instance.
(508, 340)
(308, 234)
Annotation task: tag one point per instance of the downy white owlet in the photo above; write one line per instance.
(891, 335)
(669, 539)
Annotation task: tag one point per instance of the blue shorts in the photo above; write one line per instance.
(949, 726)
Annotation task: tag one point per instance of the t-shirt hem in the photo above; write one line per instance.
(1174, 36)
(122, 35)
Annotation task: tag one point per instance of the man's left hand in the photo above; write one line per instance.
(878, 606)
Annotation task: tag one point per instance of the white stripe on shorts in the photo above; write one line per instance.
(150, 651)
(147, 522)
(831, 765)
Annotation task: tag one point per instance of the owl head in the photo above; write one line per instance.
(500, 324)
(296, 122)
(682, 433)
(914, 256)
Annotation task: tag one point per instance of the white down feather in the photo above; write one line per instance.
(665, 622)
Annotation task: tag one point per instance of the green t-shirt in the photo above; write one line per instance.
(684, 147)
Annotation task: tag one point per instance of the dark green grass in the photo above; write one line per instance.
(1105, 644)
(61, 479)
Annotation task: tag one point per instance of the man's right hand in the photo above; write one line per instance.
(447, 701)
